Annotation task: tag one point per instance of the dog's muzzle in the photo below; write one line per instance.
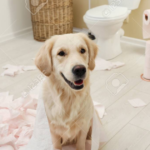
(77, 85)
(79, 72)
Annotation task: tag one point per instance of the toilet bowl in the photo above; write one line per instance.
(105, 23)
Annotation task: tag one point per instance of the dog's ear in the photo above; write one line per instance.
(92, 48)
(43, 59)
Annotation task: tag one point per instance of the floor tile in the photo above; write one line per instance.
(144, 87)
(129, 138)
(142, 120)
(121, 112)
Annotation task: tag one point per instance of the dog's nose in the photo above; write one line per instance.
(79, 70)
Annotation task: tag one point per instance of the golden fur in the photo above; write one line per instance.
(69, 111)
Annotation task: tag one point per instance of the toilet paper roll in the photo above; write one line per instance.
(147, 51)
(147, 73)
(146, 24)
(147, 61)
(146, 17)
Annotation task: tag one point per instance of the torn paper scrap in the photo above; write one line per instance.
(101, 64)
(12, 70)
(137, 102)
(100, 109)
(29, 68)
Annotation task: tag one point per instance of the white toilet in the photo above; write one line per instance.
(105, 23)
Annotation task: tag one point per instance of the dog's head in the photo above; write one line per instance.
(69, 57)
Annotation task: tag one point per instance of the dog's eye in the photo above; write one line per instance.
(82, 51)
(62, 53)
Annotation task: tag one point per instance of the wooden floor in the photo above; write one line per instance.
(127, 128)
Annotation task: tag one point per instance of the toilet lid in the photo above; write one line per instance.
(107, 12)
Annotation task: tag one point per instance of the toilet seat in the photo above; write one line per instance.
(107, 13)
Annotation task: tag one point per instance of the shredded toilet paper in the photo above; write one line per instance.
(101, 64)
(20, 120)
(12, 70)
(17, 119)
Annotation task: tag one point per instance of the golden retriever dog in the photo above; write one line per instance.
(66, 61)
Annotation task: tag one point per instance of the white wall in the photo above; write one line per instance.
(14, 18)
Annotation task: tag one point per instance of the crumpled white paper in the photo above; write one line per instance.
(12, 70)
(101, 64)
(41, 139)
(137, 102)
(100, 109)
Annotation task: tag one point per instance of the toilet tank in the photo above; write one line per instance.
(130, 4)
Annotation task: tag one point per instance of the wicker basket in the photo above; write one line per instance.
(51, 17)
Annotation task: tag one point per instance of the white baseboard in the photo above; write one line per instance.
(76, 30)
(15, 34)
(83, 30)
(124, 39)
(133, 41)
